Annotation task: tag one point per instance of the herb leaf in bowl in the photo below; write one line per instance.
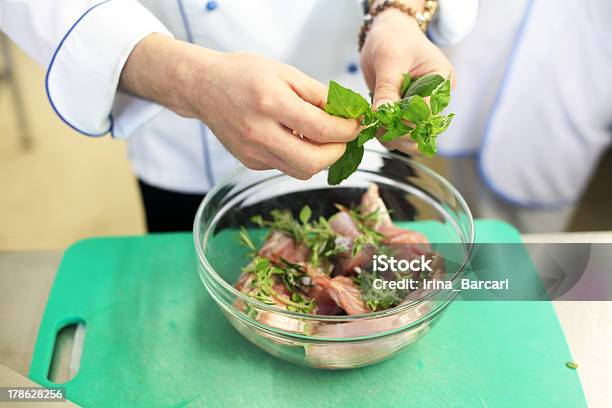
(325, 265)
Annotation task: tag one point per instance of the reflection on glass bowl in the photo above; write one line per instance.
(417, 198)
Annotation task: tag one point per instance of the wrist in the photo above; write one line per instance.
(193, 74)
(168, 72)
(395, 17)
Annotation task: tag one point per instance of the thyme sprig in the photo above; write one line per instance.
(317, 235)
(262, 285)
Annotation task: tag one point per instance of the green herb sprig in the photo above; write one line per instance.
(410, 115)
(377, 299)
(324, 244)
(262, 284)
(317, 235)
(369, 235)
(571, 365)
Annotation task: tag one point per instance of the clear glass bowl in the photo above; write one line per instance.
(412, 192)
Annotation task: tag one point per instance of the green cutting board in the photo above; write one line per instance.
(156, 339)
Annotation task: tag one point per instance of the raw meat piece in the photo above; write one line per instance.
(344, 292)
(343, 224)
(371, 202)
(280, 245)
(244, 281)
(325, 303)
(346, 263)
(397, 235)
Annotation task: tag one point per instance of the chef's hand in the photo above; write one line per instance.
(396, 45)
(267, 114)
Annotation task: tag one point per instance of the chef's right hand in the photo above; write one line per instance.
(267, 114)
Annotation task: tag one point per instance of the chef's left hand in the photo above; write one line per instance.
(395, 45)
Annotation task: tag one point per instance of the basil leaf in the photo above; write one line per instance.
(398, 130)
(415, 109)
(366, 135)
(388, 114)
(425, 139)
(407, 80)
(440, 124)
(424, 86)
(368, 118)
(391, 117)
(305, 214)
(347, 165)
(345, 103)
(370, 124)
(440, 98)
(571, 365)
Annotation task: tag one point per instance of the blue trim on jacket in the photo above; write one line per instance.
(203, 130)
(207, 163)
(185, 21)
(110, 116)
(487, 135)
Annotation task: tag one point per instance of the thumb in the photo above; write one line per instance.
(387, 89)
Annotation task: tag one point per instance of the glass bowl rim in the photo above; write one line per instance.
(339, 319)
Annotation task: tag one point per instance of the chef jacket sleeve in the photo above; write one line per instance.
(85, 45)
(453, 22)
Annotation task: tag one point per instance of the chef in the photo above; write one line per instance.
(198, 86)
(535, 109)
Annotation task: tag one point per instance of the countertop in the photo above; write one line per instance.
(27, 278)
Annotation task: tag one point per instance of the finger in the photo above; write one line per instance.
(314, 123)
(306, 114)
(453, 78)
(272, 161)
(255, 160)
(388, 85)
(446, 70)
(256, 165)
(307, 88)
(261, 159)
(284, 167)
(301, 155)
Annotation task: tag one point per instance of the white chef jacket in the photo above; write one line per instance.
(534, 100)
(85, 44)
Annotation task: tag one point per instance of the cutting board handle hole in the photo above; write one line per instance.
(67, 350)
